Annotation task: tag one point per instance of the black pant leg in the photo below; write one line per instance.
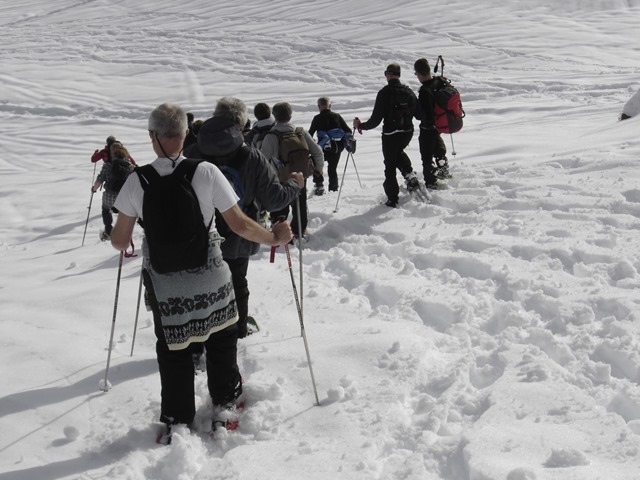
(427, 141)
(395, 159)
(223, 375)
(177, 391)
(107, 220)
(298, 230)
(239, 267)
(332, 160)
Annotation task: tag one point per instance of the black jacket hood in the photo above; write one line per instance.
(219, 137)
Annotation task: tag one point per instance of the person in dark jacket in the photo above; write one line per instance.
(330, 127)
(220, 141)
(431, 144)
(264, 122)
(394, 139)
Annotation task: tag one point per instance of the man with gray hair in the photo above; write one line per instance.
(220, 141)
(209, 287)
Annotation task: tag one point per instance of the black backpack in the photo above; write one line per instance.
(172, 220)
(401, 107)
(119, 171)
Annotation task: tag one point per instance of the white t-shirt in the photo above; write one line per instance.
(211, 186)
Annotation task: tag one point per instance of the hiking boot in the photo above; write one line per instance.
(432, 185)
(319, 190)
(226, 416)
(412, 181)
(442, 171)
(104, 236)
(391, 203)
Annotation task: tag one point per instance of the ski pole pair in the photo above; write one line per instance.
(349, 154)
(298, 298)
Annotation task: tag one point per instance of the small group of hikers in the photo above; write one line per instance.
(396, 105)
(233, 175)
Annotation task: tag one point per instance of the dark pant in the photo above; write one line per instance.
(431, 146)
(395, 159)
(177, 394)
(107, 219)
(238, 267)
(302, 198)
(332, 160)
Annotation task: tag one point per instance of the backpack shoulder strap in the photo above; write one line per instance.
(146, 174)
(187, 168)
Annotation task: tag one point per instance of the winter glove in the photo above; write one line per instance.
(356, 125)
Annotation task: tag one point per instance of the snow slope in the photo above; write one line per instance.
(492, 334)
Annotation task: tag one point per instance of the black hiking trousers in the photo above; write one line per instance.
(177, 373)
(239, 267)
(332, 160)
(293, 206)
(395, 159)
(431, 146)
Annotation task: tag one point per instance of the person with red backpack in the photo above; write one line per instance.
(395, 106)
(105, 153)
(431, 144)
(112, 176)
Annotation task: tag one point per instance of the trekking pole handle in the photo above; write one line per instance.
(272, 256)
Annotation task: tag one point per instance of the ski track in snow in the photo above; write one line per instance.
(520, 276)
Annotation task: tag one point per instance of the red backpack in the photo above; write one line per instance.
(447, 110)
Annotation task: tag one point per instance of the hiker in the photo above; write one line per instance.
(332, 133)
(431, 144)
(264, 122)
(105, 153)
(190, 139)
(112, 176)
(395, 106)
(272, 148)
(209, 288)
(221, 142)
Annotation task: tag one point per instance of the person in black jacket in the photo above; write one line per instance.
(332, 128)
(221, 142)
(431, 144)
(396, 134)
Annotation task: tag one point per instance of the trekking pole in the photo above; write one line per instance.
(104, 384)
(453, 147)
(299, 215)
(356, 168)
(342, 181)
(89, 207)
(135, 324)
(301, 318)
(88, 213)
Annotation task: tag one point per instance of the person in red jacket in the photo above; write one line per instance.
(105, 153)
